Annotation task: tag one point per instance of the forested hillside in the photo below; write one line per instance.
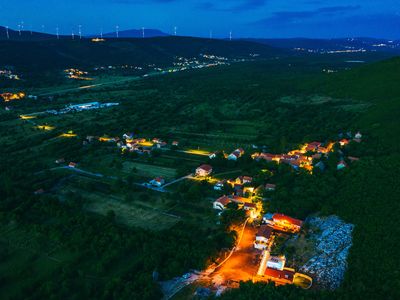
(367, 196)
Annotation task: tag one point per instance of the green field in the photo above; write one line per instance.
(149, 171)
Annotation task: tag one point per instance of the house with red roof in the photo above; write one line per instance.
(313, 146)
(221, 202)
(264, 237)
(343, 142)
(341, 165)
(249, 206)
(270, 187)
(158, 181)
(236, 154)
(243, 180)
(286, 223)
(280, 277)
(204, 170)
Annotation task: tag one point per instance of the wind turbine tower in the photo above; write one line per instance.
(142, 32)
(19, 29)
(72, 34)
(117, 31)
(211, 34)
(80, 31)
(58, 37)
(175, 29)
(230, 35)
(101, 33)
(8, 35)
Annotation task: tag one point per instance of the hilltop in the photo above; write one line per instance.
(136, 33)
(53, 53)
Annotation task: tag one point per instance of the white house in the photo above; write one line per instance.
(270, 187)
(236, 154)
(219, 185)
(263, 237)
(341, 165)
(276, 262)
(158, 181)
(221, 203)
(203, 170)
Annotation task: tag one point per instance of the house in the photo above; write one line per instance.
(60, 161)
(286, 223)
(249, 206)
(276, 262)
(72, 164)
(239, 199)
(263, 237)
(270, 187)
(236, 154)
(158, 181)
(316, 156)
(313, 146)
(320, 165)
(343, 142)
(219, 185)
(212, 155)
(358, 135)
(352, 158)
(175, 143)
(341, 165)
(39, 192)
(221, 203)
(279, 276)
(243, 179)
(267, 219)
(266, 156)
(203, 170)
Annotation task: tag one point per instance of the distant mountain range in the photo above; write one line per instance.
(297, 44)
(23, 35)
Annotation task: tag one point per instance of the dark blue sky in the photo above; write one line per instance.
(246, 18)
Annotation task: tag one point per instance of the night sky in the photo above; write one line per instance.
(245, 18)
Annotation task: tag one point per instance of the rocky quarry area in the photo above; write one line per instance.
(333, 239)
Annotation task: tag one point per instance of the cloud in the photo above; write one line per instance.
(293, 17)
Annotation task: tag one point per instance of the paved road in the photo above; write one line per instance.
(134, 78)
(171, 288)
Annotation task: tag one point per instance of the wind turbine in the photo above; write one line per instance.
(80, 31)
(101, 33)
(19, 29)
(72, 34)
(142, 32)
(230, 35)
(117, 31)
(8, 36)
(42, 28)
(175, 28)
(211, 34)
(57, 33)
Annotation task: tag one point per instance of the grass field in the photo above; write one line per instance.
(147, 170)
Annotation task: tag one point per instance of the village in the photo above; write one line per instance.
(254, 257)
(257, 254)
